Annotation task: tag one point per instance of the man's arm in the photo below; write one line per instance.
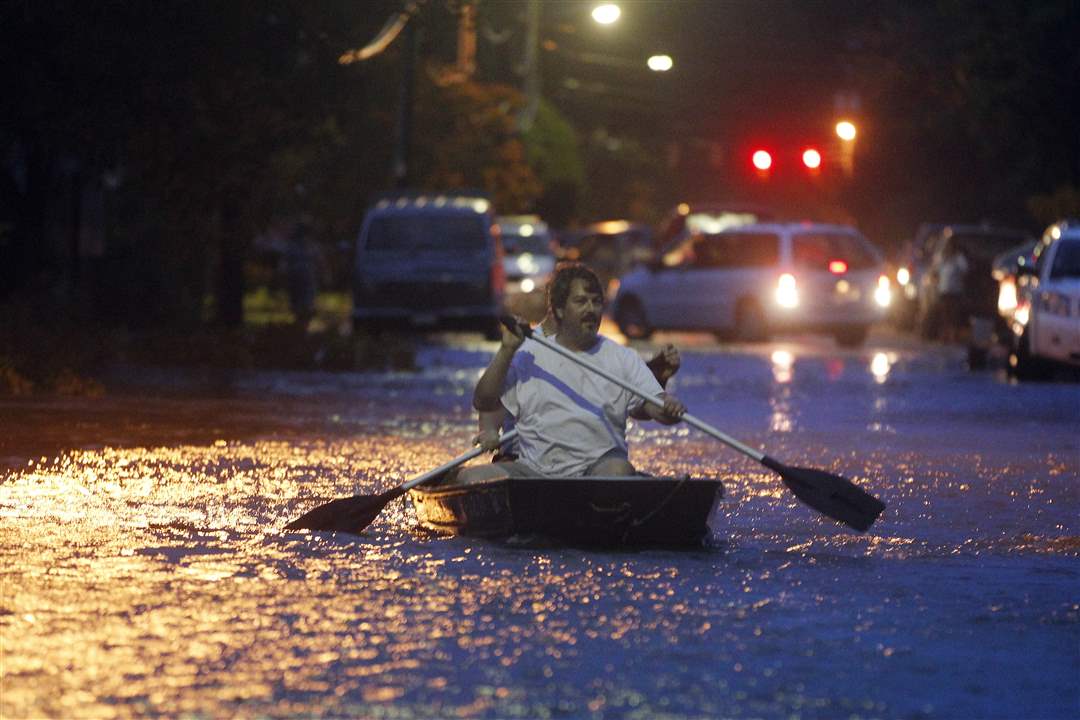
(488, 392)
(671, 412)
(491, 423)
(663, 366)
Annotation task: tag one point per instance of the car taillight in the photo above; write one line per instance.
(837, 267)
(787, 294)
(498, 277)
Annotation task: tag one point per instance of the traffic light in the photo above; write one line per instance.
(762, 159)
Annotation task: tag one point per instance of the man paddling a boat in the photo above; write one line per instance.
(663, 365)
(571, 422)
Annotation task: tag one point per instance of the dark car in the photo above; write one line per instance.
(911, 265)
(611, 248)
(979, 245)
(429, 262)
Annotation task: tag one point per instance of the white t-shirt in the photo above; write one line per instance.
(568, 416)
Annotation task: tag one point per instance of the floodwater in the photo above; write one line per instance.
(145, 572)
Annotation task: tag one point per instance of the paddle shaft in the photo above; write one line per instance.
(655, 399)
(459, 460)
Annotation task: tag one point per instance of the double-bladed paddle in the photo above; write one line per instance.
(353, 514)
(829, 494)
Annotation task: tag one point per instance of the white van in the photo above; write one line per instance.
(752, 280)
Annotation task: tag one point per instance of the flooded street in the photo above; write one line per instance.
(144, 570)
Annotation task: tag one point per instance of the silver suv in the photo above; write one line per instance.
(432, 262)
(751, 280)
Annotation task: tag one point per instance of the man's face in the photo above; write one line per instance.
(580, 321)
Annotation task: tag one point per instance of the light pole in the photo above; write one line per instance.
(605, 14)
(846, 131)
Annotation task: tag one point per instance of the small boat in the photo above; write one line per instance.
(634, 511)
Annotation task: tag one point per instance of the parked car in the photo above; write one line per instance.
(528, 257)
(1005, 270)
(431, 262)
(751, 280)
(911, 263)
(979, 245)
(611, 248)
(1046, 324)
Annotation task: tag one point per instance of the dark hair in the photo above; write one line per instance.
(565, 274)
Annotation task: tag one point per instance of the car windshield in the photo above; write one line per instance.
(1066, 261)
(427, 232)
(816, 251)
(732, 250)
(535, 244)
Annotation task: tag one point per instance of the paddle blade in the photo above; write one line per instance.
(830, 494)
(351, 514)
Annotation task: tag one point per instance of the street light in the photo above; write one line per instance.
(606, 14)
(845, 130)
(660, 63)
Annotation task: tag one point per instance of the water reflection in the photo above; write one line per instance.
(880, 366)
(780, 420)
(156, 581)
(782, 363)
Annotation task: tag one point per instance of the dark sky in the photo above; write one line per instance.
(774, 64)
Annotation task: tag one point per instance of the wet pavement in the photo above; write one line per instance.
(144, 570)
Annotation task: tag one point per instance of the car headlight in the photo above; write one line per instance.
(1007, 296)
(527, 264)
(787, 294)
(883, 293)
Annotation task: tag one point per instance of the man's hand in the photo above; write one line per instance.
(665, 364)
(488, 440)
(670, 413)
(512, 338)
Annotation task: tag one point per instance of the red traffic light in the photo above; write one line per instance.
(811, 158)
(762, 159)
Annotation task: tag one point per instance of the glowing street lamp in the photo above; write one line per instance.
(606, 14)
(845, 130)
(660, 63)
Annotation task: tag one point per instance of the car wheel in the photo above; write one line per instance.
(750, 323)
(976, 357)
(1022, 364)
(630, 317)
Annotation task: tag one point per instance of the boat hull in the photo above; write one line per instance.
(611, 512)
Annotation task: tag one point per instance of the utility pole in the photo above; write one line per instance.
(403, 144)
(466, 45)
(531, 67)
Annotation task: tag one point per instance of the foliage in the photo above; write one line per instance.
(468, 139)
(625, 179)
(551, 147)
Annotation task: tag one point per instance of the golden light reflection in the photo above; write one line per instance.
(880, 366)
(782, 363)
